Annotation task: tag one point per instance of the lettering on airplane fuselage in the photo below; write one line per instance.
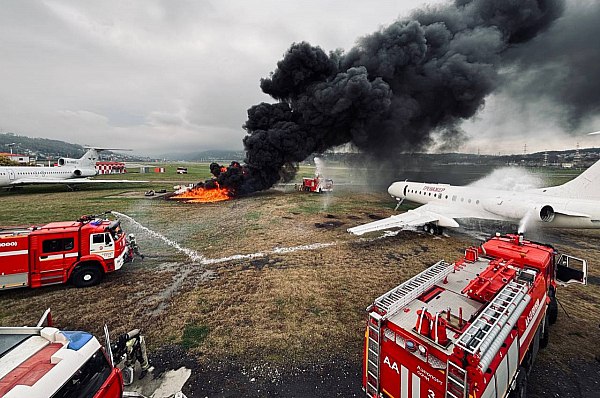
(434, 189)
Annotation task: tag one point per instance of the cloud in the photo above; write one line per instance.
(141, 73)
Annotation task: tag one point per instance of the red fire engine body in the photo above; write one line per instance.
(42, 362)
(316, 184)
(468, 329)
(77, 251)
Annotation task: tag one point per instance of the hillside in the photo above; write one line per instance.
(42, 147)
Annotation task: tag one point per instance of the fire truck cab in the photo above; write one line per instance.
(42, 362)
(470, 328)
(78, 251)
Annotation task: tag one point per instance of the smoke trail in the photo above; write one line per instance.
(391, 91)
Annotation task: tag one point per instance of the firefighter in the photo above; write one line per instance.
(133, 246)
(132, 347)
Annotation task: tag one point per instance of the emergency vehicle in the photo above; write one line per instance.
(471, 328)
(79, 251)
(316, 184)
(42, 362)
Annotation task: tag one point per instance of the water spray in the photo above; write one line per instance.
(200, 259)
(192, 254)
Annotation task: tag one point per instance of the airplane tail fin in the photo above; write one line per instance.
(89, 159)
(585, 186)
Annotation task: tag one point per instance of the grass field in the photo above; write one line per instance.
(281, 304)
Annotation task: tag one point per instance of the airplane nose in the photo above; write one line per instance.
(395, 190)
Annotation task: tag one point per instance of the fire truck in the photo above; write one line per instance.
(316, 184)
(42, 362)
(79, 251)
(471, 328)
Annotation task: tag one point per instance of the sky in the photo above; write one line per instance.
(169, 77)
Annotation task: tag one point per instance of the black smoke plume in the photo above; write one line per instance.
(391, 91)
(560, 68)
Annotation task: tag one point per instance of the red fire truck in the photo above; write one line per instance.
(42, 362)
(316, 184)
(468, 329)
(79, 251)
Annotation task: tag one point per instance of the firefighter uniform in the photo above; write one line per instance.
(136, 351)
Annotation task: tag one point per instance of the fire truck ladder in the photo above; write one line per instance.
(374, 345)
(481, 333)
(402, 294)
(456, 381)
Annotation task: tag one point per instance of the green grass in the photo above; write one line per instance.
(196, 172)
(253, 215)
(194, 335)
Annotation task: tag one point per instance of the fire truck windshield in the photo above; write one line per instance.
(88, 379)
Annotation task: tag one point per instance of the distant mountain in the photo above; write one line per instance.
(42, 147)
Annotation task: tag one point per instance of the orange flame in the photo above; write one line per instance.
(202, 195)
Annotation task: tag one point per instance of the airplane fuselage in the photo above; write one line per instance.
(10, 174)
(533, 206)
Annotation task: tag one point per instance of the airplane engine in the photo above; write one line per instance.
(67, 161)
(546, 213)
(77, 173)
(513, 209)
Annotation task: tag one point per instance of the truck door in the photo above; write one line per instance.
(571, 270)
(51, 259)
(102, 245)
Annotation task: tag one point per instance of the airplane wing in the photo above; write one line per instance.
(443, 216)
(32, 181)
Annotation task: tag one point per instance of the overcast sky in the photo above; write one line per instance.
(178, 76)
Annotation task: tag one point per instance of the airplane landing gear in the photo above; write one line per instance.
(433, 229)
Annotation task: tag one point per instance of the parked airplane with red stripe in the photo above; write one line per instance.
(575, 204)
(69, 171)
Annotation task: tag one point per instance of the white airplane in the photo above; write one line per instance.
(575, 204)
(69, 171)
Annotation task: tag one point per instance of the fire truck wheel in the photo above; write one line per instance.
(86, 275)
(520, 390)
(552, 310)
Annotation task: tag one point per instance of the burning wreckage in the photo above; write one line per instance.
(226, 184)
